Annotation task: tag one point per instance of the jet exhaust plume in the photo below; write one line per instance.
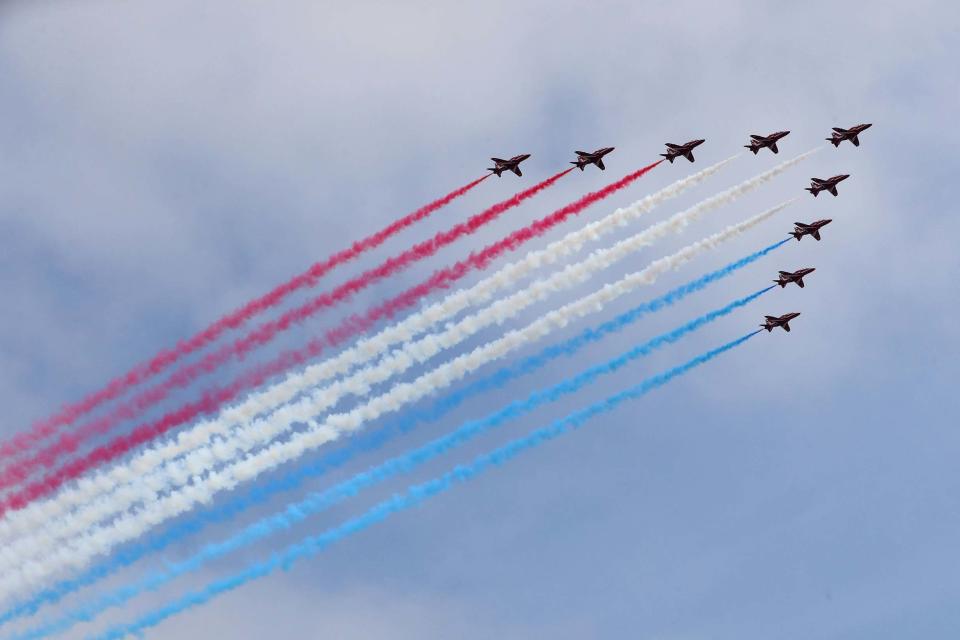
(39, 513)
(369, 442)
(213, 399)
(266, 332)
(415, 495)
(78, 550)
(145, 488)
(118, 386)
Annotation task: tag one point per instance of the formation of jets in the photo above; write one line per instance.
(757, 142)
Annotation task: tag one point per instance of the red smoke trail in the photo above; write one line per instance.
(212, 399)
(19, 470)
(165, 358)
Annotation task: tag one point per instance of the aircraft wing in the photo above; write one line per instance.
(500, 160)
(582, 153)
(839, 130)
(773, 147)
(786, 327)
(833, 190)
(855, 140)
(673, 146)
(756, 137)
(516, 170)
(770, 318)
(689, 156)
(600, 164)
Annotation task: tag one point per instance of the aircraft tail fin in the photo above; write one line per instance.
(496, 170)
(835, 141)
(814, 191)
(668, 157)
(753, 148)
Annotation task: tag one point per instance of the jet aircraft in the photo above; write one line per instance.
(770, 142)
(852, 134)
(685, 150)
(787, 277)
(513, 164)
(829, 184)
(813, 229)
(584, 158)
(773, 322)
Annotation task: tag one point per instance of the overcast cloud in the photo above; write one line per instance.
(162, 162)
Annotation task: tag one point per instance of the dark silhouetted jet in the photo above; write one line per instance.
(584, 158)
(851, 134)
(830, 184)
(773, 322)
(513, 164)
(797, 276)
(685, 150)
(813, 229)
(770, 142)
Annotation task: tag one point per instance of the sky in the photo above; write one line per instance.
(163, 162)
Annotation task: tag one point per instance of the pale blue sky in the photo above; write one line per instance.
(163, 162)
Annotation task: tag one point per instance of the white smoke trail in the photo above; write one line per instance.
(147, 486)
(139, 469)
(77, 552)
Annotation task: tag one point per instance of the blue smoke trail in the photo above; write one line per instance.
(317, 502)
(414, 496)
(368, 442)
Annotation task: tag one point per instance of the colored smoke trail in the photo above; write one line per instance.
(293, 480)
(78, 550)
(317, 502)
(69, 442)
(149, 486)
(118, 386)
(414, 495)
(214, 398)
(41, 514)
